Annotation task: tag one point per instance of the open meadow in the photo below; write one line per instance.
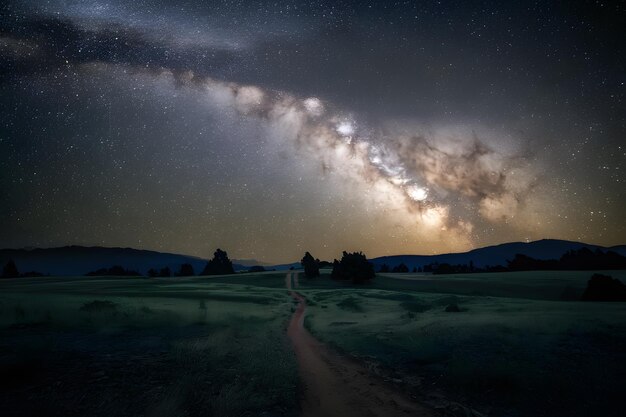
(514, 348)
(509, 345)
(137, 346)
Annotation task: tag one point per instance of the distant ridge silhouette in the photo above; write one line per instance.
(496, 254)
(78, 260)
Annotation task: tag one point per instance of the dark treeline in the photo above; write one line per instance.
(220, 264)
(10, 271)
(115, 270)
(582, 259)
(402, 268)
(353, 267)
(163, 272)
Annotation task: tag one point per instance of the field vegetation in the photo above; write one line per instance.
(499, 344)
(143, 346)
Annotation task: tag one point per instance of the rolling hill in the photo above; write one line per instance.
(497, 254)
(78, 260)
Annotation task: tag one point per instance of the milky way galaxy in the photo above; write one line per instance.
(270, 129)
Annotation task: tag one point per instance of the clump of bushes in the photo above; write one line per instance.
(353, 267)
(116, 271)
(604, 288)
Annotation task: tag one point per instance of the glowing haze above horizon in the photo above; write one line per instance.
(271, 128)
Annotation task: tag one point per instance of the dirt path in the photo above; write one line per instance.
(336, 385)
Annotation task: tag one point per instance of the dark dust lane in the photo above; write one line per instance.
(336, 385)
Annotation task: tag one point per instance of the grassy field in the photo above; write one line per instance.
(216, 346)
(153, 347)
(514, 349)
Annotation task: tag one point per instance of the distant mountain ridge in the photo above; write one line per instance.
(78, 260)
(497, 254)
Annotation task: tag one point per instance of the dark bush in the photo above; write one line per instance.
(604, 288)
(114, 271)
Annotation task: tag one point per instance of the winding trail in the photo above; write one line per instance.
(336, 385)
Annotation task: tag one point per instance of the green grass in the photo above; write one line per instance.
(135, 346)
(217, 345)
(538, 285)
(513, 351)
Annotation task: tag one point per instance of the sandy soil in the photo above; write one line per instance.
(336, 385)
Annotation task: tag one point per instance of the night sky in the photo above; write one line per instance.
(271, 128)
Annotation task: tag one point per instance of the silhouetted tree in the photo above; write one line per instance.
(152, 273)
(310, 265)
(604, 288)
(10, 270)
(186, 270)
(420, 269)
(402, 268)
(354, 267)
(219, 265)
(165, 272)
(414, 269)
(384, 268)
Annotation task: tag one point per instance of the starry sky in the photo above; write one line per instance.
(268, 128)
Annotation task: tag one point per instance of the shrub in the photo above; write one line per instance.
(604, 288)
